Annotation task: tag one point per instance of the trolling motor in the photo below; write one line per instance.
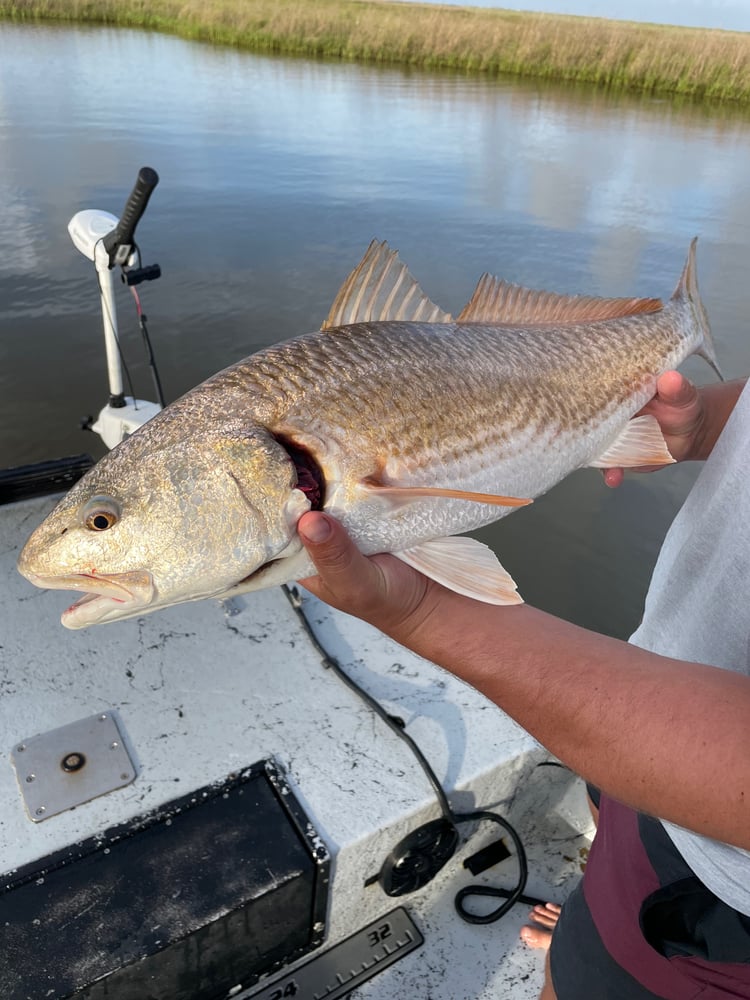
(110, 242)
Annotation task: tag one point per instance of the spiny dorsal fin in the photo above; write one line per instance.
(497, 301)
(381, 288)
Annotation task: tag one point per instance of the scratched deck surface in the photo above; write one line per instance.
(206, 689)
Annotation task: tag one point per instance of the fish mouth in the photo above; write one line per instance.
(106, 598)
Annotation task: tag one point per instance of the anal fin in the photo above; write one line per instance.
(640, 443)
(464, 566)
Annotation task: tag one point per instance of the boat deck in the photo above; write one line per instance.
(204, 690)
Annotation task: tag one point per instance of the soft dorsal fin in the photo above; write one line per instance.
(497, 301)
(381, 288)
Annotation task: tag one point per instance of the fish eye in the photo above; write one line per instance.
(101, 513)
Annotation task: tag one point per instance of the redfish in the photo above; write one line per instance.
(406, 424)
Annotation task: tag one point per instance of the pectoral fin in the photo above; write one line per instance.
(409, 493)
(640, 443)
(465, 566)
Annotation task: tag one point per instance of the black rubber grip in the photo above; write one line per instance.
(135, 206)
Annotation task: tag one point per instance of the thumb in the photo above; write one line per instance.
(343, 572)
(673, 388)
(315, 529)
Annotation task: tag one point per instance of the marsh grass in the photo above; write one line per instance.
(612, 54)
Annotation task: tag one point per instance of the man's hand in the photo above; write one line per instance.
(680, 410)
(381, 589)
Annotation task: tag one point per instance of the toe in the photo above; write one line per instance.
(546, 915)
(536, 937)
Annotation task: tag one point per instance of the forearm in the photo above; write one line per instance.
(719, 399)
(666, 737)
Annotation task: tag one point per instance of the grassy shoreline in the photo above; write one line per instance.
(655, 59)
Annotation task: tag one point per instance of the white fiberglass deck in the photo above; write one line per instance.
(205, 689)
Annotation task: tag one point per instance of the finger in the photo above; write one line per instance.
(671, 386)
(675, 389)
(315, 529)
(613, 477)
(342, 569)
(675, 394)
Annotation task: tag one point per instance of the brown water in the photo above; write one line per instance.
(276, 174)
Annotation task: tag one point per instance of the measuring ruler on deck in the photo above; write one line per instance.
(348, 964)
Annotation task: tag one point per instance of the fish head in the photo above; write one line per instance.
(159, 521)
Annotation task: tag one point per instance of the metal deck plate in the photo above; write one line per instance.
(346, 965)
(65, 767)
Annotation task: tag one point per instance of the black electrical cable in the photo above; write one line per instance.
(393, 724)
(510, 896)
(148, 347)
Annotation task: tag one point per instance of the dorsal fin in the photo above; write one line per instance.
(381, 288)
(497, 301)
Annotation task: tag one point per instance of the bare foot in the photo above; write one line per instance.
(545, 918)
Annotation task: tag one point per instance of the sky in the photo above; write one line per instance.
(732, 15)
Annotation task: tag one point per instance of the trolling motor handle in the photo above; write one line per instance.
(119, 242)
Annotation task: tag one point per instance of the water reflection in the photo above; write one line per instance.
(276, 173)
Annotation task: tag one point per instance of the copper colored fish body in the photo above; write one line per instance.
(407, 425)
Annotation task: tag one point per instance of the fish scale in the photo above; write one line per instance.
(473, 365)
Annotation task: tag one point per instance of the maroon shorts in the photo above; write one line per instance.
(641, 925)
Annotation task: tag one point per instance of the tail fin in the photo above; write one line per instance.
(687, 293)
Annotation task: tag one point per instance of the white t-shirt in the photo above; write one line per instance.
(698, 609)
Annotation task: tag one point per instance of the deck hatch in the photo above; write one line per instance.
(185, 903)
